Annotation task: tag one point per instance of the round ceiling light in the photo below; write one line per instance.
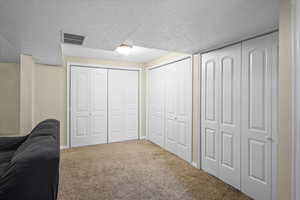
(124, 49)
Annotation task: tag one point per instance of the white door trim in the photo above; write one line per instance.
(296, 99)
(69, 64)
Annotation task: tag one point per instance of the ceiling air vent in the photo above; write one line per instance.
(73, 39)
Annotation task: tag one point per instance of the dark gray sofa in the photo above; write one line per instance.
(29, 165)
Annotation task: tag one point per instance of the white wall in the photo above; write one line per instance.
(9, 98)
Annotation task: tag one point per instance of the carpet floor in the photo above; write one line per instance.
(135, 170)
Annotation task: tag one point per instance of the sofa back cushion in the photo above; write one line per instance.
(33, 172)
(48, 128)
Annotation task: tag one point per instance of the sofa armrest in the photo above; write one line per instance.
(11, 143)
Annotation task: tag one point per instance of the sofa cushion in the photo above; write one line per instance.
(3, 167)
(33, 172)
(30, 164)
(46, 128)
(6, 156)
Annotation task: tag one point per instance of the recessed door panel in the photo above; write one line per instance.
(210, 144)
(82, 124)
(227, 89)
(257, 86)
(257, 160)
(210, 90)
(227, 150)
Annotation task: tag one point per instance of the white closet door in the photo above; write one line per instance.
(88, 106)
(259, 61)
(98, 131)
(156, 105)
(122, 105)
(210, 113)
(229, 115)
(132, 105)
(178, 108)
(221, 80)
(184, 109)
(171, 103)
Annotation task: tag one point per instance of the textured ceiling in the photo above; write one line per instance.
(34, 27)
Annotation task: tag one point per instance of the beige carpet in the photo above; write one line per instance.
(135, 170)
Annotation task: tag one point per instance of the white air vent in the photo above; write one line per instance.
(69, 38)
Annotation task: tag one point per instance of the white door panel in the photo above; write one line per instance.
(258, 66)
(178, 108)
(184, 108)
(238, 94)
(123, 105)
(229, 117)
(156, 105)
(171, 102)
(221, 76)
(210, 127)
(88, 106)
(98, 106)
(170, 112)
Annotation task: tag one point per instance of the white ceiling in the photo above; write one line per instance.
(137, 54)
(33, 26)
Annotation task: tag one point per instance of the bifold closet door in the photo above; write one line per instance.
(221, 80)
(178, 108)
(123, 105)
(156, 105)
(210, 113)
(258, 112)
(88, 106)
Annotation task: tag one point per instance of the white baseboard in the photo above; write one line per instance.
(194, 165)
(144, 137)
(63, 147)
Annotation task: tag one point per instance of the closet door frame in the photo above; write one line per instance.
(163, 64)
(68, 74)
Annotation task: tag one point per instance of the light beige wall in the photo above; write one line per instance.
(26, 94)
(9, 98)
(285, 102)
(50, 94)
(166, 58)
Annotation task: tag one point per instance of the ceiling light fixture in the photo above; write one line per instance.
(124, 49)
